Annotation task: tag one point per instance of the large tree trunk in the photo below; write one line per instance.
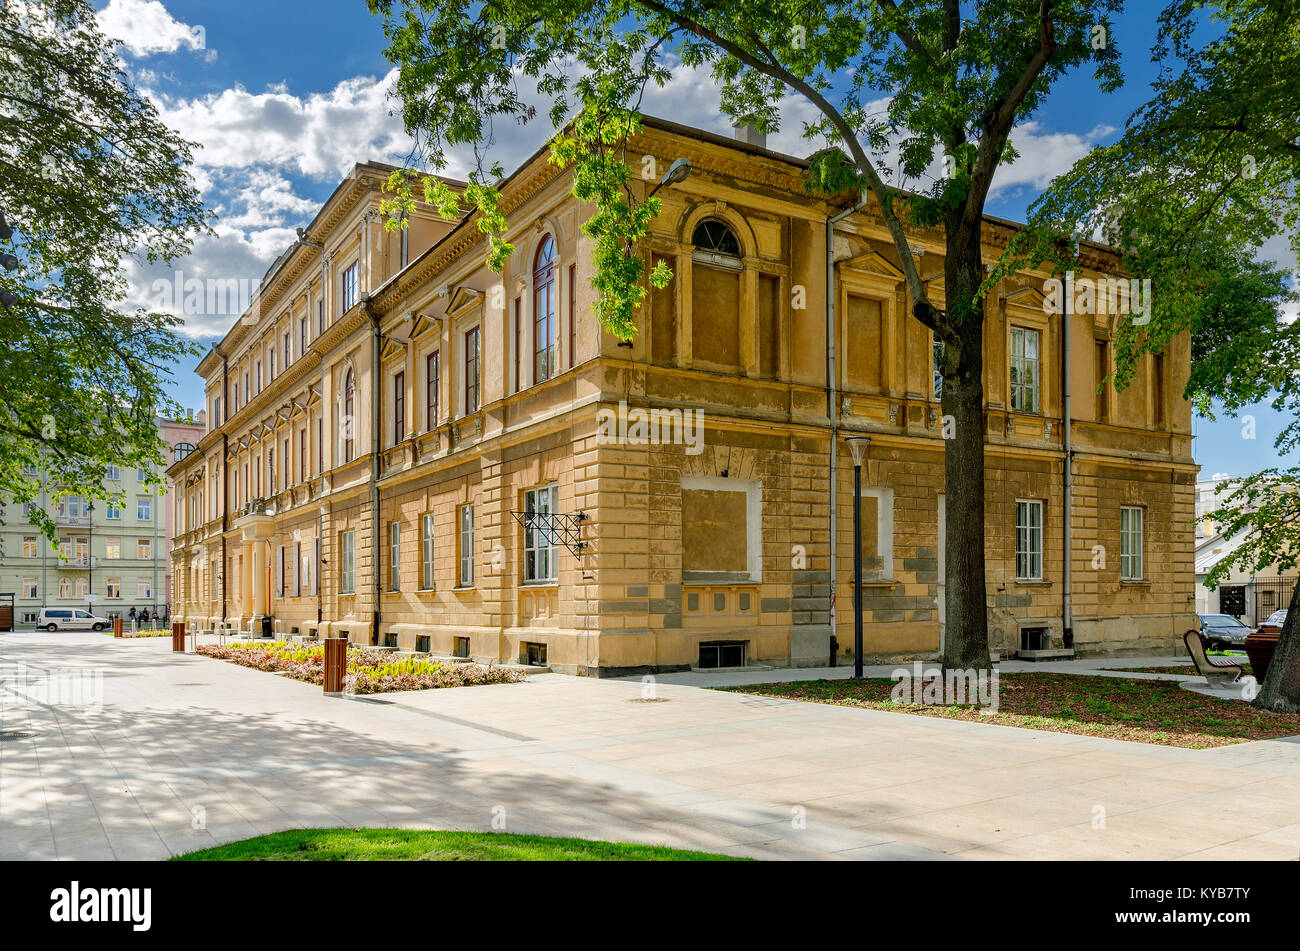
(966, 642)
(1281, 690)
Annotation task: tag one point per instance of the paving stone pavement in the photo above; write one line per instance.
(163, 753)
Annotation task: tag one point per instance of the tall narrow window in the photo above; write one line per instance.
(349, 406)
(350, 286)
(426, 552)
(302, 454)
(302, 336)
(519, 342)
(1158, 390)
(1024, 370)
(320, 444)
(399, 407)
(540, 546)
(573, 312)
(1130, 543)
(320, 316)
(544, 343)
(284, 463)
(466, 545)
(1103, 384)
(394, 556)
(431, 384)
(272, 357)
(288, 354)
(1029, 540)
(471, 371)
(347, 562)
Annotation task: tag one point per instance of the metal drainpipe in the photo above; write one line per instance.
(225, 485)
(832, 390)
(1067, 608)
(376, 557)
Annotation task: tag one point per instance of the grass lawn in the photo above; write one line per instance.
(1147, 711)
(386, 845)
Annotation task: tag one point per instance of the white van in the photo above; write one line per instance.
(70, 619)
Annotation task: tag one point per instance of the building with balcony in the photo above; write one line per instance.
(117, 553)
(406, 448)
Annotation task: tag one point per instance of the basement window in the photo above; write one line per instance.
(390, 640)
(422, 644)
(1035, 639)
(534, 655)
(461, 648)
(714, 654)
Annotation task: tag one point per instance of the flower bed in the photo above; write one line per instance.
(369, 670)
(152, 632)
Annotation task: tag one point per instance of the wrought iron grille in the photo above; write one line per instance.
(555, 528)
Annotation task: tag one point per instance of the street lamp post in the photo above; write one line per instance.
(858, 446)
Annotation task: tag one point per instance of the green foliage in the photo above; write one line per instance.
(957, 82)
(88, 176)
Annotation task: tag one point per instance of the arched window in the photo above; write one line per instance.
(545, 355)
(714, 237)
(349, 418)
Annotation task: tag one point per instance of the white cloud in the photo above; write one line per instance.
(144, 27)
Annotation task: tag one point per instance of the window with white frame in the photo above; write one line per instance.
(1029, 540)
(465, 545)
(721, 530)
(426, 552)
(877, 533)
(350, 286)
(347, 562)
(29, 587)
(143, 588)
(541, 562)
(144, 549)
(29, 546)
(144, 509)
(394, 556)
(113, 548)
(1130, 543)
(112, 510)
(113, 588)
(1024, 370)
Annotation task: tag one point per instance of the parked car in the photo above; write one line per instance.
(1273, 623)
(70, 619)
(1222, 632)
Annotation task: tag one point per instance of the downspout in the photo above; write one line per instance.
(832, 393)
(1067, 608)
(375, 421)
(225, 485)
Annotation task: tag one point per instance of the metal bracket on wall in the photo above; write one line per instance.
(555, 527)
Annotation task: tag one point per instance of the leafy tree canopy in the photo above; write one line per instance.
(88, 177)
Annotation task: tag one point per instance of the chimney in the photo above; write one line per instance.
(748, 133)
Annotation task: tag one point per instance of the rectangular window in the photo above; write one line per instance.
(259, 376)
(113, 588)
(431, 384)
(426, 552)
(302, 336)
(112, 511)
(113, 548)
(347, 562)
(302, 454)
(29, 587)
(1029, 540)
(113, 472)
(1103, 385)
(29, 546)
(350, 286)
(143, 588)
(144, 549)
(399, 407)
(540, 546)
(544, 325)
(1130, 543)
(471, 371)
(288, 354)
(394, 556)
(1024, 370)
(320, 316)
(573, 312)
(320, 444)
(466, 545)
(518, 344)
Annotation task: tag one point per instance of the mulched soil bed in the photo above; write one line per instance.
(1146, 711)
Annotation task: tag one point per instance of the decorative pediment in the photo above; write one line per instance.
(873, 262)
(422, 324)
(391, 348)
(1030, 297)
(313, 395)
(462, 298)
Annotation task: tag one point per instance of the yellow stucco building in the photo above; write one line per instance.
(403, 444)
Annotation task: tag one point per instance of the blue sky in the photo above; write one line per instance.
(285, 96)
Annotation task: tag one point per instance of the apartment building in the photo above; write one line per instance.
(407, 448)
(115, 554)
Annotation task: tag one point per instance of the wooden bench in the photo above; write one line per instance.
(1211, 668)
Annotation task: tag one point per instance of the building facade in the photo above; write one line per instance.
(116, 554)
(407, 448)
